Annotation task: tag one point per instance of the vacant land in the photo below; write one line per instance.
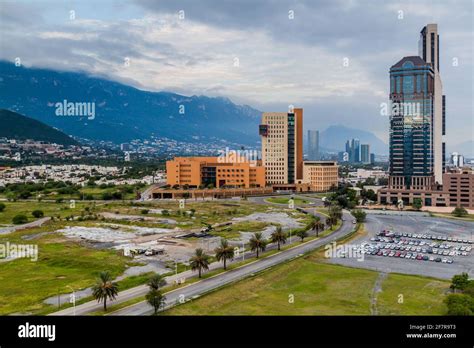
(48, 208)
(65, 263)
(310, 287)
(26, 283)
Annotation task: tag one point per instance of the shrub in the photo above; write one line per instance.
(145, 211)
(37, 214)
(417, 203)
(2, 207)
(359, 215)
(459, 212)
(20, 219)
(459, 304)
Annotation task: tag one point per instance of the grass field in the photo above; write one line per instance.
(48, 208)
(25, 283)
(319, 289)
(284, 200)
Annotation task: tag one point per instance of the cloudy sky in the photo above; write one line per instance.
(329, 57)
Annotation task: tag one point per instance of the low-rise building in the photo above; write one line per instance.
(218, 172)
(320, 175)
(459, 185)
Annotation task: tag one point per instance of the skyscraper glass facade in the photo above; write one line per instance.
(411, 126)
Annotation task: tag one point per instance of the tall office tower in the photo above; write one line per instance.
(282, 146)
(348, 149)
(372, 158)
(313, 145)
(457, 160)
(429, 51)
(355, 150)
(411, 124)
(365, 153)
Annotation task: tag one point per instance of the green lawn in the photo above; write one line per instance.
(48, 208)
(233, 231)
(319, 289)
(419, 295)
(25, 283)
(284, 200)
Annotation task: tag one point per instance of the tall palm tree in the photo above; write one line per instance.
(156, 282)
(319, 227)
(156, 299)
(104, 288)
(279, 237)
(199, 261)
(224, 252)
(257, 243)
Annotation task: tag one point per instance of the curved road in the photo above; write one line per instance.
(196, 289)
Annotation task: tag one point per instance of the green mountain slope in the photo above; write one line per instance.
(16, 126)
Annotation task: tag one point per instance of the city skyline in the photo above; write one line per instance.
(220, 58)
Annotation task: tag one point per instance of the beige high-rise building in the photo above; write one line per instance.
(282, 146)
(429, 51)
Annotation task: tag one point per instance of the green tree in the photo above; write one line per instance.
(302, 234)
(37, 213)
(20, 219)
(224, 252)
(359, 215)
(257, 243)
(200, 261)
(156, 282)
(459, 304)
(459, 281)
(105, 288)
(459, 212)
(155, 299)
(417, 203)
(335, 212)
(279, 237)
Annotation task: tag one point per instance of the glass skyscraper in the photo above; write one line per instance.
(313, 145)
(416, 121)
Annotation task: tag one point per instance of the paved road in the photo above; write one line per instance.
(217, 281)
(37, 223)
(194, 290)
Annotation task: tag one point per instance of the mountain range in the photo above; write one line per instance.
(19, 127)
(123, 113)
(334, 139)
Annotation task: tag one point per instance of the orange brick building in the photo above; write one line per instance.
(215, 172)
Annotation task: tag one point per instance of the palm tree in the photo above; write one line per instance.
(257, 243)
(199, 261)
(156, 299)
(156, 282)
(105, 289)
(319, 227)
(224, 252)
(279, 237)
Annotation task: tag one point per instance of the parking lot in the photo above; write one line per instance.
(413, 244)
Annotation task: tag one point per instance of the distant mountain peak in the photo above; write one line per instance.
(123, 112)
